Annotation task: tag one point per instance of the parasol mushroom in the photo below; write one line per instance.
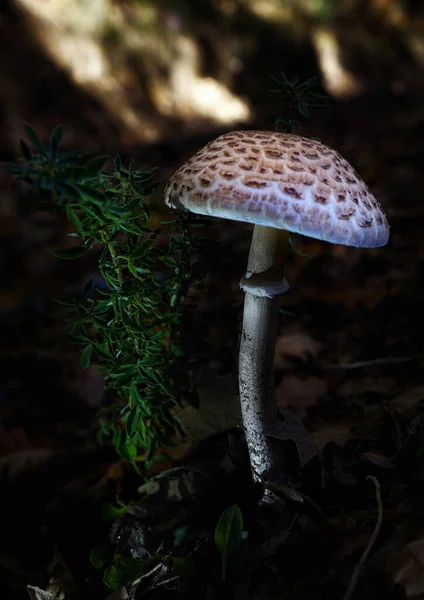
(281, 183)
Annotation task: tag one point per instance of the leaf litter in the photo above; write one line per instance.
(349, 369)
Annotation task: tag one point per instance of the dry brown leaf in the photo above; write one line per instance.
(298, 392)
(408, 399)
(291, 428)
(338, 434)
(36, 593)
(114, 472)
(407, 568)
(170, 454)
(218, 411)
(298, 344)
(384, 462)
(89, 384)
(14, 463)
(356, 386)
(12, 440)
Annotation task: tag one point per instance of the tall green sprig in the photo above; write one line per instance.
(129, 326)
(298, 100)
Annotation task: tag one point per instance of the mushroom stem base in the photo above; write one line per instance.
(256, 364)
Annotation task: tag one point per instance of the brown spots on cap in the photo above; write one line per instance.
(298, 208)
(310, 155)
(290, 219)
(273, 153)
(228, 175)
(293, 192)
(242, 197)
(345, 212)
(287, 145)
(298, 168)
(364, 221)
(254, 183)
(323, 190)
(283, 180)
(306, 179)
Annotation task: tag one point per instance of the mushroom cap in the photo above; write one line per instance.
(280, 180)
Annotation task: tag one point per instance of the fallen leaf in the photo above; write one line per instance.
(406, 567)
(219, 405)
(299, 392)
(119, 594)
(12, 440)
(290, 428)
(408, 399)
(356, 386)
(35, 593)
(337, 434)
(14, 463)
(378, 459)
(174, 484)
(296, 344)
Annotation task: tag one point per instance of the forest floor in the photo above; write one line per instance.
(349, 366)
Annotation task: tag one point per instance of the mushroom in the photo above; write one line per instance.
(281, 183)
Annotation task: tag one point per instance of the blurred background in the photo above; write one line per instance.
(156, 80)
(130, 74)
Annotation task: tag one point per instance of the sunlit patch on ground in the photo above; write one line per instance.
(103, 49)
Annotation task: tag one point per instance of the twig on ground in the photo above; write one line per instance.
(357, 572)
(369, 363)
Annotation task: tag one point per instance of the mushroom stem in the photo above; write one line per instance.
(256, 373)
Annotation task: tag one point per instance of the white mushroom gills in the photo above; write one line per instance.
(279, 182)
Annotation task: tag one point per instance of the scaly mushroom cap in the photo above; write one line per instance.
(280, 180)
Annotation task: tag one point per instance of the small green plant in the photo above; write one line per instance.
(228, 535)
(129, 325)
(298, 100)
